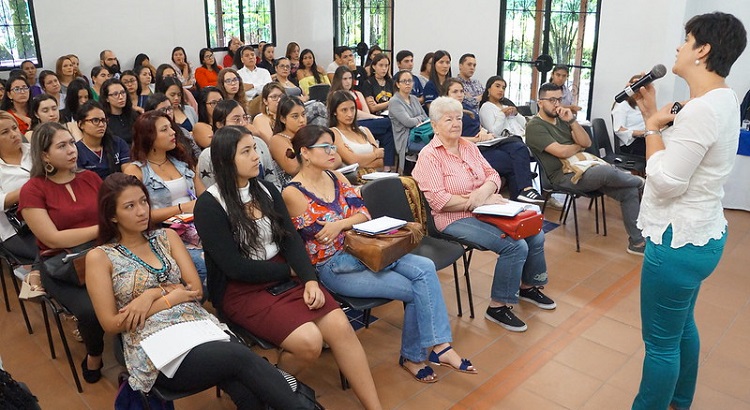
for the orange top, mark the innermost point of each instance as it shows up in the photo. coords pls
(205, 77)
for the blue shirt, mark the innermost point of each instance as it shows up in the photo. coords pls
(99, 162)
(430, 92)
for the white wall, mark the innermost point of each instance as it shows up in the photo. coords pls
(86, 27)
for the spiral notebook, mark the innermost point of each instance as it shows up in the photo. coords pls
(168, 347)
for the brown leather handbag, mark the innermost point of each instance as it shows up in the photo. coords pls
(378, 251)
(525, 224)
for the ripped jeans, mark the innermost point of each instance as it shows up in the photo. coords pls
(518, 262)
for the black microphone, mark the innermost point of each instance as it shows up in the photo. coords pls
(657, 72)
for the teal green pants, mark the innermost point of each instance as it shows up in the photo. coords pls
(670, 281)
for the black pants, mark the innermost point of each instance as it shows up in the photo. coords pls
(22, 247)
(251, 381)
(77, 300)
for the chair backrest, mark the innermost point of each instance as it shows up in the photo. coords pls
(386, 197)
(524, 110)
(601, 137)
(319, 92)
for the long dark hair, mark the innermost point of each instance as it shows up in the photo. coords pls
(433, 73)
(448, 83)
(335, 99)
(35, 103)
(7, 103)
(202, 53)
(285, 107)
(108, 141)
(166, 82)
(313, 67)
(71, 98)
(132, 73)
(338, 75)
(127, 111)
(109, 192)
(376, 60)
(221, 112)
(486, 94)
(144, 135)
(245, 229)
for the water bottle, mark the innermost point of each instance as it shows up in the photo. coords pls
(746, 125)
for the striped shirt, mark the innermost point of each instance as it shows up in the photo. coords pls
(441, 174)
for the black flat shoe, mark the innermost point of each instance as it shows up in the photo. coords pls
(91, 376)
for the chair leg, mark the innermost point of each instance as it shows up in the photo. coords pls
(458, 285)
(23, 306)
(366, 317)
(72, 365)
(45, 315)
(5, 289)
(604, 217)
(468, 284)
(591, 202)
(575, 222)
(596, 212)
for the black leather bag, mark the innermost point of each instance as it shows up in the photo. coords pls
(18, 225)
(67, 265)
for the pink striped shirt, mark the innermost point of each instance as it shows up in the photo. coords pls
(441, 174)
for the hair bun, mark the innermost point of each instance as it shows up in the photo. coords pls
(290, 153)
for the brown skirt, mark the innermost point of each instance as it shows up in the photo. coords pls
(272, 318)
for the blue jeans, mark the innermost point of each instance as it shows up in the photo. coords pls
(382, 130)
(670, 281)
(518, 262)
(411, 279)
(200, 265)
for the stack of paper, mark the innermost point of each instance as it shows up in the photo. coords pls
(379, 225)
(378, 175)
(348, 168)
(511, 208)
(168, 347)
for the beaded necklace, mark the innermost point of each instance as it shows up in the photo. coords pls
(162, 274)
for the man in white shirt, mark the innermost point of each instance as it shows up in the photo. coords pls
(342, 55)
(253, 78)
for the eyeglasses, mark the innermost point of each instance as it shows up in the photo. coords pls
(284, 66)
(131, 81)
(22, 90)
(233, 80)
(118, 94)
(238, 119)
(275, 97)
(212, 103)
(327, 148)
(406, 81)
(553, 100)
(166, 110)
(207, 56)
(96, 121)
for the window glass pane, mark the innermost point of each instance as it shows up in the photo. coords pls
(368, 21)
(257, 21)
(253, 22)
(17, 41)
(350, 23)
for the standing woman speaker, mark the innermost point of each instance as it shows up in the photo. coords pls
(681, 214)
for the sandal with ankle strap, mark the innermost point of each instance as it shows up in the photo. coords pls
(423, 375)
(434, 358)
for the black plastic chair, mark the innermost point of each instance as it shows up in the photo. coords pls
(319, 92)
(10, 261)
(386, 197)
(597, 197)
(619, 159)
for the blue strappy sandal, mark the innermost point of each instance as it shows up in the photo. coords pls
(434, 358)
(423, 373)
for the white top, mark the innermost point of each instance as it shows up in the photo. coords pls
(495, 121)
(357, 147)
(625, 116)
(178, 188)
(331, 69)
(12, 177)
(264, 223)
(685, 181)
(258, 78)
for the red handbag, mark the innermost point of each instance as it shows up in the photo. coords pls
(525, 224)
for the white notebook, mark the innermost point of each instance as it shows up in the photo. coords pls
(377, 175)
(512, 208)
(168, 347)
(379, 225)
(348, 168)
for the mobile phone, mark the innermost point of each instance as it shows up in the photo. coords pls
(281, 288)
(676, 107)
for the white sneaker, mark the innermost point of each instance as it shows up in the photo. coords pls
(554, 203)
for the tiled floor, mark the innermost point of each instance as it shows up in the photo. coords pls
(586, 354)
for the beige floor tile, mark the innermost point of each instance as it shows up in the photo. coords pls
(610, 398)
(524, 399)
(562, 385)
(616, 335)
(592, 358)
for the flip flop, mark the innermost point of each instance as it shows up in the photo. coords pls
(423, 373)
(434, 358)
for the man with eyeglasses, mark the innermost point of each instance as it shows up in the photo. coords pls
(554, 135)
(254, 78)
(108, 59)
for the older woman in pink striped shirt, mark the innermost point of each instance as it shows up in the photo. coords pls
(455, 179)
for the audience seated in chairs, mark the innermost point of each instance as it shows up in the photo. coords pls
(141, 280)
(323, 206)
(59, 205)
(252, 249)
(453, 192)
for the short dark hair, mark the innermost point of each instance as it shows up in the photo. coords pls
(546, 87)
(338, 51)
(465, 56)
(724, 33)
(403, 54)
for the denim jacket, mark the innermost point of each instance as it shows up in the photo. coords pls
(157, 190)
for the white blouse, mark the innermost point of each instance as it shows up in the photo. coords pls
(12, 177)
(685, 181)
